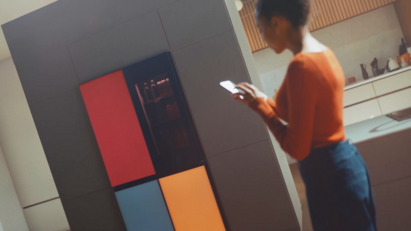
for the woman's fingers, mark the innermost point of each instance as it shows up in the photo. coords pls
(245, 85)
(240, 98)
(250, 93)
(245, 89)
(250, 88)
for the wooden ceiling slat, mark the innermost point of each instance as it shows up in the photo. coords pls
(324, 13)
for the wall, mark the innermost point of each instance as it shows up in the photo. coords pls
(11, 214)
(71, 42)
(403, 9)
(354, 41)
(25, 155)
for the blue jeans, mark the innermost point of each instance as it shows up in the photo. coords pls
(338, 188)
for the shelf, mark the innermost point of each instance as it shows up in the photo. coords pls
(175, 150)
(373, 79)
(165, 122)
(158, 99)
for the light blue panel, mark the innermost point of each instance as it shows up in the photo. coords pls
(144, 209)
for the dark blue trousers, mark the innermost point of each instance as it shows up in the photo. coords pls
(338, 188)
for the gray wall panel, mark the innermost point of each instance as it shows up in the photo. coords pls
(70, 145)
(118, 47)
(47, 75)
(67, 21)
(223, 124)
(248, 182)
(55, 25)
(97, 211)
(128, 9)
(190, 21)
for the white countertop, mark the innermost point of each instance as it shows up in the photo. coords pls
(376, 127)
(372, 79)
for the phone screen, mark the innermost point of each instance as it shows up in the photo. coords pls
(230, 86)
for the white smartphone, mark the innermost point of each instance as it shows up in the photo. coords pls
(230, 86)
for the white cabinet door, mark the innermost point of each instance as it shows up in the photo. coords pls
(396, 101)
(361, 112)
(393, 83)
(21, 143)
(358, 94)
(49, 216)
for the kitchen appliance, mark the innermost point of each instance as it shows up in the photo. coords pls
(403, 47)
(404, 63)
(364, 71)
(146, 136)
(400, 115)
(376, 71)
(406, 58)
(392, 65)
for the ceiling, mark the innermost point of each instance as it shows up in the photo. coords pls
(12, 9)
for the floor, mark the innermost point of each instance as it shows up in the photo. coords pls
(299, 184)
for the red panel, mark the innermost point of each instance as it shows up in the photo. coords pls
(117, 128)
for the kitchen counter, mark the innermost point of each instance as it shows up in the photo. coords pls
(375, 127)
(377, 96)
(372, 79)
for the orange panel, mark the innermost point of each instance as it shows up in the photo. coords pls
(191, 201)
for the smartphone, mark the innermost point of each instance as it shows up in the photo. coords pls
(230, 86)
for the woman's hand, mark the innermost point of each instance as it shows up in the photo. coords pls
(250, 93)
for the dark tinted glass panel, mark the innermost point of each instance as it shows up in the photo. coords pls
(164, 116)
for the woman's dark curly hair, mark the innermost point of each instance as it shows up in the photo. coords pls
(296, 11)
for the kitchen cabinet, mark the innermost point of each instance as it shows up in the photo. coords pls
(359, 94)
(361, 112)
(47, 216)
(377, 96)
(396, 101)
(394, 83)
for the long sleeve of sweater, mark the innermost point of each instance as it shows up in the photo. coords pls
(296, 138)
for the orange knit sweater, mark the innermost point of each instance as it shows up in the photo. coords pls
(310, 100)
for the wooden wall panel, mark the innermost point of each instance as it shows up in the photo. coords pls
(324, 13)
(403, 7)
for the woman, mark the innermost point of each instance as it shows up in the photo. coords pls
(310, 100)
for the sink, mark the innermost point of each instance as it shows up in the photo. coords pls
(400, 115)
